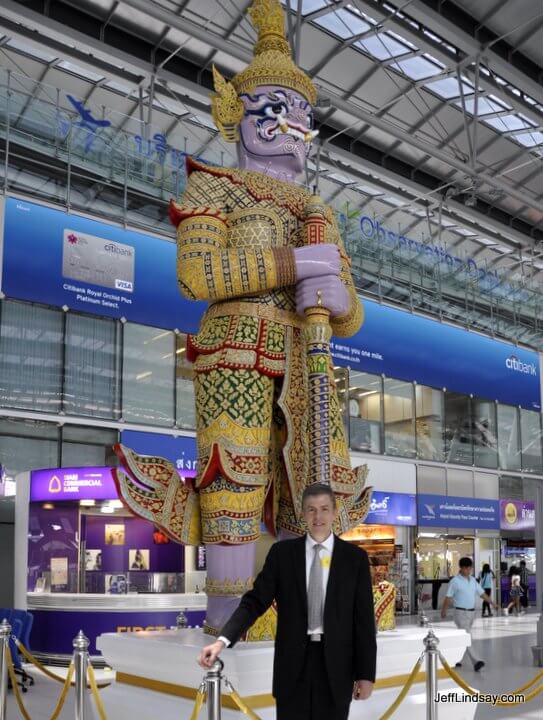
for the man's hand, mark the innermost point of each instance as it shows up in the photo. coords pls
(445, 607)
(362, 689)
(209, 654)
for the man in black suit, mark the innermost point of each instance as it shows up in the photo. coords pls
(325, 647)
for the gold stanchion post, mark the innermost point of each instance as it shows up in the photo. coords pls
(431, 643)
(81, 662)
(213, 690)
(5, 634)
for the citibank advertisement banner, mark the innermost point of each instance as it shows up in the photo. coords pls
(60, 259)
(401, 345)
(461, 512)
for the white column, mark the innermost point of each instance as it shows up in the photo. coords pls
(22, 500)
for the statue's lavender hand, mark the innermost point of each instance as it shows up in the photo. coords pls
(333, 294)
(317, 260)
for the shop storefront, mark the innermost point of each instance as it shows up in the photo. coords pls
(387, 537)
(86, 562)
(450, 528)
(517, 523)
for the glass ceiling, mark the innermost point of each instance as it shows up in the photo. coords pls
(117, 178)
(346, 23)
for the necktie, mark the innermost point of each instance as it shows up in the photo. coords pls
(315, 595)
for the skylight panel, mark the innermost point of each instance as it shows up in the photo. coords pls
(485, 105)
(120, 87)
(30, 50)
(401, 39)
(506, 123)
(464, 231)
(342, 23)
(502, 249)
(391, 200)
(80, 71)
(340, 178)
(418, 68)
(308, 6)
(361, 14)
(530, 139)
(485, 241)
(368, 190)
(382, 46)
(449, 88)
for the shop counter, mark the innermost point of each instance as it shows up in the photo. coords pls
(58, 617)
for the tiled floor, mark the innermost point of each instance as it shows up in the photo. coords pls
(504, 644)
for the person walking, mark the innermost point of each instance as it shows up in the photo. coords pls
(524, 585)
(463, 590)
(515, 591)
(485, 579)
(325, 646)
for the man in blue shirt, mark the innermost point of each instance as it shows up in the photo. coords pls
(463, 590)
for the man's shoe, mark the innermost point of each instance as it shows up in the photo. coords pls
(478, 665)
(458, 665)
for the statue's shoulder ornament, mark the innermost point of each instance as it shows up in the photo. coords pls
(262, 187)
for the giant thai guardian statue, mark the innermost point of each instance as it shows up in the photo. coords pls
(269, 259)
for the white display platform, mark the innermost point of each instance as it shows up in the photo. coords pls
(156, 669)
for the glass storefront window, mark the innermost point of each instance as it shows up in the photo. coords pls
(458, 435)
(91, 367)
(87, 446)
(429, 424)
(27, 445)
(530, 433)
(30, 356)
(185, 411)
(365, 414)
(484, 432)
(399, 415)
(508, 438)
(148, 375)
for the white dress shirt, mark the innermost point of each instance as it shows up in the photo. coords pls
(325, 554)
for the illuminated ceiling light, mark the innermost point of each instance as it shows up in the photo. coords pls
(87, 503)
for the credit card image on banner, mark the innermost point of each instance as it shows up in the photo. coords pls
(98, 261)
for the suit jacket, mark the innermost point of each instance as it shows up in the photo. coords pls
(350, 646)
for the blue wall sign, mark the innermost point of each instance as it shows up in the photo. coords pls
(410, 347)
(180, 450)
(62, 259)
(392, 509)
(461, 512)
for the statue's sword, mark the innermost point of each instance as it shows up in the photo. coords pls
(317, 333)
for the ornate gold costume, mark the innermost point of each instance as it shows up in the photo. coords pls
(236, 234)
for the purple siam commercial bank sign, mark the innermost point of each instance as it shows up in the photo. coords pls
(517, 515)
(84, 483)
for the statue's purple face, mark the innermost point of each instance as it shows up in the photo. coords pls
(276, 130)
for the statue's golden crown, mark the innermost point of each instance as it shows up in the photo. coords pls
(272, 65)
